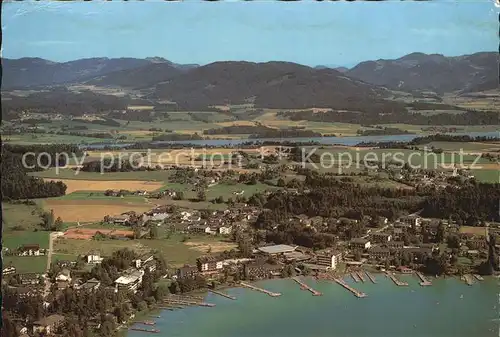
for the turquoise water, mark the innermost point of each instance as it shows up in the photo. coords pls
(388, 311)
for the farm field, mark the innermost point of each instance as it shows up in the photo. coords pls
(487, 176)
(144, 176)
(91, 210)
(20, 217)
(13, 240)
(97, 185)
(472, 230)
(26, 264)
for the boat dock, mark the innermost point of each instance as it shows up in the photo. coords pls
(478, 277)
(355, 277)
(188, 303)
(267, 292)
(371, 277)
(424, 282)
(304, 286)
(145, 330)
(361, 276)
(468, 279)
(396, 281)
(147, 322)
(222, 294)
(356, 293)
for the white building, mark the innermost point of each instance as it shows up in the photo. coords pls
(225, 230)
(329, 259)
(64, 276)
(94, 258)
(130, 281)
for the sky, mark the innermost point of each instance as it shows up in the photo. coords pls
(306, 32)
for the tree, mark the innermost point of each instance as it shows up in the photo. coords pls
(48, 220)
(137, 232)
(202, 196)
(153, 232)
(440, 233)
(280, 182)
(58, 224)
(160, 292)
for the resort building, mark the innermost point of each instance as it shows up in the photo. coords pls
(379, 252)
(187, 272)
(413, 220)
(209, 264)
(260, 270)
(381, 237)
(329, 260)
(394, 244)
(130, 281)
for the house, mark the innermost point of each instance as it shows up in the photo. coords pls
(143, 260)
(187, 272)
(394, 244)
(329, 259)
(379, 253)
(225, 230)
(30, 250)
(258, 270)
(405, 270)
(48, 325)
(413, 220)
(477, 243)
(64, 276)
(120, 219)
(26, 292)
(8, 270)
(29, 278)
(90, 285)
(130, 281)
(359, 243)
(200, 229)
(66, 263)
(209, 264)
(94, 258)
(381, 237)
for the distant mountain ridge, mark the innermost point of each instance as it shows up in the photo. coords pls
(32, 72)
(438, 73)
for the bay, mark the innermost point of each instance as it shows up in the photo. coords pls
(448, 308)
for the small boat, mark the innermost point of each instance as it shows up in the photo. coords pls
(461, 296)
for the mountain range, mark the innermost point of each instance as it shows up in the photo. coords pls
(239, 81)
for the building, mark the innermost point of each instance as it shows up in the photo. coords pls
(277, 249)
(64, 276)
(394, 244)
(90, 285)
(144, 259)
(477, 243)
(259, 270)
(209, 264)
(359, 243)
(26, 292)
(329, 259)
(8, 270)
(187, 272)
(93, 258)
(66, 263)
(381, 237)
(379, 253)
(225, 230)
(30, 250)
(200, 229)
(405, 270)
(413, 220)
(48, 325)
(130, 281)
(120, 219)
(29, 279)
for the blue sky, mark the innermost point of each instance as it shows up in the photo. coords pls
(307, 32)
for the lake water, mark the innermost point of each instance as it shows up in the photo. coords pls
(388, 311)
(322, 140)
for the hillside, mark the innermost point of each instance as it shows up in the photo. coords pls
(31, 72)
(438, 73)
(269, 85)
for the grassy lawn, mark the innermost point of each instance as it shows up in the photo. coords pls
(25, 217)
(13, 240)
(26, 264)
(63, 257)
(99, 195)
(226, 190)
(486, 176)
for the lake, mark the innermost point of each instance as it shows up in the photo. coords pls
(323, 140)
(388, 311)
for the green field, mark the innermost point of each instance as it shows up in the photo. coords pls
(99, 195)
(13, 240)
(162, 175)
(487, 176)
(20, 217)
(26, 264)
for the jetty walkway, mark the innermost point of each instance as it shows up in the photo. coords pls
(222, 294)
(371, 277)
(304, 286)
(355, 277)
(424, 282)
(188, 303)
(396, 281)
(267, 292)
(468, 279)
(478, 277)
(357, 293)
(360, 276)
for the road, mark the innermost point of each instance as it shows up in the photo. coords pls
(52, 236)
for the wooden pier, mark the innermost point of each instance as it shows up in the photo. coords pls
(396, 281)
(304, 286)
(355, 277)
(361, 276)
(371, 277)
(468, 279)
(424, 282)
(145, 330)
(479, 277)
(267, 292)
(356, 293)
(188, 303)
(147, 322)
(222, 294)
